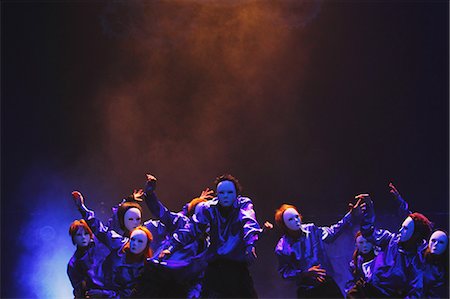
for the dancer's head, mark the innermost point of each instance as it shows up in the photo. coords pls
(80, 233)
(415, 228)
(288, 218)
(362, 245)
(438, 243)
(227, 189)
(129, 215)
(139, 242)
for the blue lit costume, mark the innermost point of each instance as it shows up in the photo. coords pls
(435, 277)
(178, 275)
(297, 254)
(84, 269)
(233, 232)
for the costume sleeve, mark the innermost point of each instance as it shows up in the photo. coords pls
(170, 219)
(286, 267)
(330, 233)
(250, 225)
(154, 205)
(403, 207)
(110, 238)
(190, 230)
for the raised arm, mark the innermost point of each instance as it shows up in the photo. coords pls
(251, 227)
(403, 207)
(330, 233)
(110, 238)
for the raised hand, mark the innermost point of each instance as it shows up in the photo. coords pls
(394, 190)
(138, 194)
(78, 198)
(267, 226)
(207, 194)
(150, 185)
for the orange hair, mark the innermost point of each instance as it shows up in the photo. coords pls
(279, 216)
(192, 204)
(76, 225)
(148, 253)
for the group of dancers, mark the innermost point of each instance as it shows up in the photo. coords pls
(205, 250)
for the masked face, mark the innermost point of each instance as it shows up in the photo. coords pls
(407, 229)
(438, 242)
(226, 193)
(138, 241)
(292, 219)
(362, 245)
(132, 218)
(81, 238)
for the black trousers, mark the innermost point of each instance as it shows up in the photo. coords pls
(327, 289)
(228, 279)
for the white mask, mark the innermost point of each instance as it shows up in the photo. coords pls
(292, 219)
(138, 241)
(81, 238)
(363, 245)
(438, 242)
(226, 193)
(407, 229)
(132, 218)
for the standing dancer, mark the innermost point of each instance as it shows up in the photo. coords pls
(233, 231)
(301, 252)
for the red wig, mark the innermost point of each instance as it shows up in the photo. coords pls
(76, 225)
(148, 253)
(279, 216)
(422, 227)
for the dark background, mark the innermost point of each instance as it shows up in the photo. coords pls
(306, 102)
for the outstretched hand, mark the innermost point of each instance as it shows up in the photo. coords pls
(207, 194)
(394, 190)
(78, 198)
(267, 226)
(138, 194)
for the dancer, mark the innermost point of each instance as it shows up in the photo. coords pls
(233, 231)
(301, 253)
(129, 216)
(398, 268)
(124, 265)
(83, 268)
(180, 273)
(436, 266)
(361, 265)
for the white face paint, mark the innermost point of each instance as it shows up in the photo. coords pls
(292, 219)
(226, 193)
(438, 242)
(362, 245)
(132, 218)
(138, 241)
(81, 238)
(407, 229)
